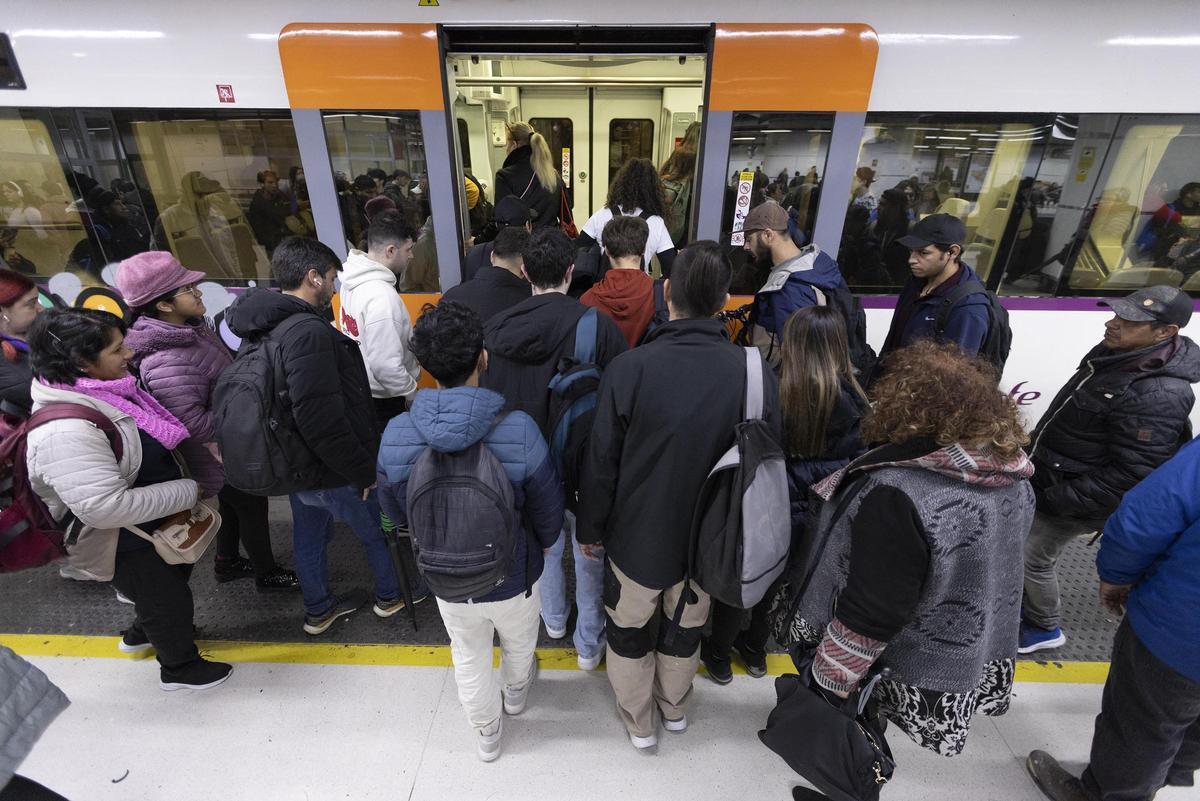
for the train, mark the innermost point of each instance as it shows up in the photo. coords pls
(1059, 135)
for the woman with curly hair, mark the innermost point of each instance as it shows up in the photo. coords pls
(636, 191)
(915, 562)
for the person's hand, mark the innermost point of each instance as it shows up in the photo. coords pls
(366, 492)
(1113, 597)
(593, 552)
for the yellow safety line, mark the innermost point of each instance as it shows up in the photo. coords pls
(317, 653)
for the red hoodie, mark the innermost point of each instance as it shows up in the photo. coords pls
(627, 296)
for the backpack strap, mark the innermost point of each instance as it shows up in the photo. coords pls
(755, 384)
(587, 337)
(77, 411)
(963, 290)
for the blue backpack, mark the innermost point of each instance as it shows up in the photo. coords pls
(572, 406)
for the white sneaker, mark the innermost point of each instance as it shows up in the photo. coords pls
(675, 726)
(68, 571)
(555, 634)
(591, 663)
(516, 698)
(489, 740)
(644, 745)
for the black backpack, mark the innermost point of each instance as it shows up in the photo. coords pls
(862, 355)
(262, 451)
(997, 343)
(483, 213)
(572, 409)
(662, 314)
(463, 518)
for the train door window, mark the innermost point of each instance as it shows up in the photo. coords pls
(42, 217)
(559, 133)
(383, 154)
(627, 140)
(773, 156)
(979, 168)
(464, 143)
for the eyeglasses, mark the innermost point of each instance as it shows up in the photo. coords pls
(193, 290)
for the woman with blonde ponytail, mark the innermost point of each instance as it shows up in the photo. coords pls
(529, 173)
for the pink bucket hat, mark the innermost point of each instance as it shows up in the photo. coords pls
(149, 275)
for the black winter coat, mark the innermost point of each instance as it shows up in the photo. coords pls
(327, 385)
(525, 343)
(15, 378)
(1118, 418)
(842, 444)
(491, 291)
(516, 178)
(666, 412)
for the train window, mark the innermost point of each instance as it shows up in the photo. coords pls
(628, 139)
(42, 217)
(464, 143)
(360, 146)
(977, 167)
(559, 133)
(772, 156)
(1131, 188)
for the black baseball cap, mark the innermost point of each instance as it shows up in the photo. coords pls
(511, 210)
(936, 229)
(1153, 304)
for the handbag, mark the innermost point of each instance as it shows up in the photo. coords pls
(838, 746)
(182, 538)
(565, 218)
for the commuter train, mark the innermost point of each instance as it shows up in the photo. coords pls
(1062, 137)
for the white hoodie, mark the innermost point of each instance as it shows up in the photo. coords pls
(374, 316)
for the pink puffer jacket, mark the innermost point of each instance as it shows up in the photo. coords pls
(180, 364)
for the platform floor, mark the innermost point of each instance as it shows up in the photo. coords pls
(39, 601)
(317, 732)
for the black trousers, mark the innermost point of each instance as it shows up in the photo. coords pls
(729, 621)
(387, 408)
(1148, 729)
(244, 521)
(162, 601)
(22, 789)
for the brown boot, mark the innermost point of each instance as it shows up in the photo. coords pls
(1053, 780)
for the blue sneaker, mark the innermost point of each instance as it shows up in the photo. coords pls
(1037, 639)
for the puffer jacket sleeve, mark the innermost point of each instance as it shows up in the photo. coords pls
(544, 501)
(1143, 432)
(398, 452)
(310, 364)
(182, 389)
(74, 459)
(29, 703)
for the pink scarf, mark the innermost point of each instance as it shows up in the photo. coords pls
(126, 395)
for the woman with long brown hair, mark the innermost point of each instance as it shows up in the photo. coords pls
(635, 191)
(530, 174)
(915, 561)
(821, 405)
(678, 174)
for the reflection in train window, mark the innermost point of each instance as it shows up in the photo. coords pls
(776, 156)
(628, 139)
(377, 154)
(980, 168)
(559, 133)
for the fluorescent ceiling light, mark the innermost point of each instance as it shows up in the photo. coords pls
(929, 38)
(744, 138)
(46, 33)
(1156, 41)
(777, 130)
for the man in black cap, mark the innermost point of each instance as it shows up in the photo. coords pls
(1123, 413)
(500, 285)
(510, 211)
(935, 259)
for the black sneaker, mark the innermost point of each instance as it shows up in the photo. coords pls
(198, 675)
(719, 670)
(343, 605)
(278, 579)
(232, 569)
(755, 661)
(134, 641)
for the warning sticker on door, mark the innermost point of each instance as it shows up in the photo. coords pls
(742, 207)
(566, 167)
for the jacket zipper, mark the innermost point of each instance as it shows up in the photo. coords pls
(1053, 417)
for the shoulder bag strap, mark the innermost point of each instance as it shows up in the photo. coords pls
(965, 289)
(755, 383)
(532, 178)
(586, 337)
(77, 411)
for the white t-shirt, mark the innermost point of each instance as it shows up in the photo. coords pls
(658, 240)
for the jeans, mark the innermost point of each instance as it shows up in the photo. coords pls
(471, 627)
(589, 589)
(313, 513)
(1148, 729)
(1047, 539)
(162, 605)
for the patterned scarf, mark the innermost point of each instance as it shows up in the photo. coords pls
(126, 395)
(968, 465)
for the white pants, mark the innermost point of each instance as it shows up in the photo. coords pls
(470, 626)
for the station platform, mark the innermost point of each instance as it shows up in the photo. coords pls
(41, 602)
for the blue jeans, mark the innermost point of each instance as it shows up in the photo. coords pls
(589, 587)
(313, 513)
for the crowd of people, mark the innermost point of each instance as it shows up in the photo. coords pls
(588, 418)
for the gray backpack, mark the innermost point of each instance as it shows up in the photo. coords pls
(742, 526)
(464, 520)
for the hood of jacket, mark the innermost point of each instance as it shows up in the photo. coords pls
(361, 268)
(811, 265)
(522, 155)
(451, 420)
(1180, 359)
(624, 293)
(532, 331)
(149, 335)
(259, 310)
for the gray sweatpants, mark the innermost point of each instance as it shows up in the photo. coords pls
(1047, 539)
